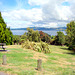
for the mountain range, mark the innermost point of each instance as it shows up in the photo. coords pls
(41, 28)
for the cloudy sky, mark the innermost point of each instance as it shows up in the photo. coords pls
(38, 13)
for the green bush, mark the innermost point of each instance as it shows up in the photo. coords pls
(28, 45)
(40, 47)
(72, 48)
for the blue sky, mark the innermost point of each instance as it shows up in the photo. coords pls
(66, 4)
(38, 13)
(18, 4)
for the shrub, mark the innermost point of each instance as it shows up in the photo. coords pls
(16, 39)
(59, 39)
(28, 45)
(40, 47)
(45, 37)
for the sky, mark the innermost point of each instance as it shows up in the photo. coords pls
(37, 13)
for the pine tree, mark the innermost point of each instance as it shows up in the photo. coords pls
(5, 33)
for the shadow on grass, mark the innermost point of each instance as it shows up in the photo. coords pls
(65, 48)
(70, 51)
(3, 50)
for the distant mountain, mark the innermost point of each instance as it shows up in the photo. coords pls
(41, 28)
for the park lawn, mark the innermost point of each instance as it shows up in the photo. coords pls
(24, 61)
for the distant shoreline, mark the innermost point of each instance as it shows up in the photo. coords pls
(50, 32)
(42, 28)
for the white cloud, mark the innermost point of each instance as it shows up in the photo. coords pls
(51, 14)
(24, 15)
(42, 2)
(64, 12)
(38, 2)
(32, 15)
(50, 25)
(19, 24)
(54, 10)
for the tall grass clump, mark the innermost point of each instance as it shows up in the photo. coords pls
(40, 47)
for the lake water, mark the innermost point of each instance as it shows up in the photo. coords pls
(50, 32)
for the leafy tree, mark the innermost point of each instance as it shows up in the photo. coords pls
(29, 34)
(45, 37)
(33, 35)
(5, 33)
(16, 39)
(24, 36)
(60, 38)
(70, 40)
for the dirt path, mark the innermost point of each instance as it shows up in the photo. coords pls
(2, 73)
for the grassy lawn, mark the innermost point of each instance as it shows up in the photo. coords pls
(24, 61)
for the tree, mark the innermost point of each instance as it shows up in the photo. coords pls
(1, 32)
(33, 35)
(5, 33)
(24, 37)
(45, 37)
(2, 22)
(60, 38)
(16, 39)
(71, 35)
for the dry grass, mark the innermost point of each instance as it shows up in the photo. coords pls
(38, 55)
(24, 61)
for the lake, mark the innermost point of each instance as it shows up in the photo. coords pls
(50, 32)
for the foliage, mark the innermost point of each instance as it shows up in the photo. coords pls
(45, 37)
(70, 40)
(16, 39)
(33, 35)
(52, 40)
(24, 36)
(60, 38)
(6, 35)
(28, 45)
(40, 47)
(36, 36)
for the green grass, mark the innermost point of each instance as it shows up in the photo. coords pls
(24, 61)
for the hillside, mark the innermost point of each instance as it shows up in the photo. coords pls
(24, 61)
(40, 28)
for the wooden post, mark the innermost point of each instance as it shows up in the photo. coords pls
(4, 60)
(39, 64)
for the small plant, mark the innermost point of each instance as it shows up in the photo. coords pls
(45, 47)
(40, 47)
(28, 45)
